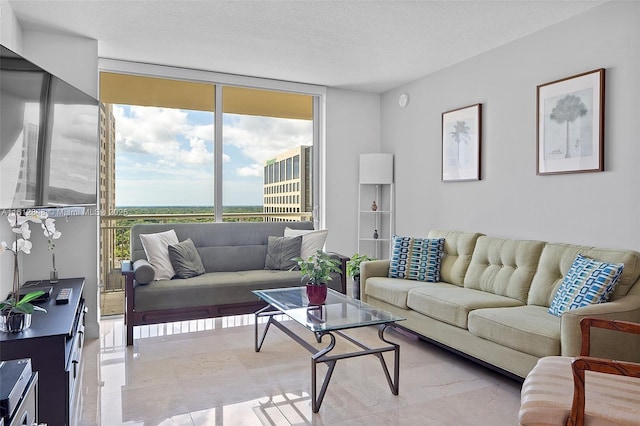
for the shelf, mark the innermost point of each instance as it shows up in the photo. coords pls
(381, 220)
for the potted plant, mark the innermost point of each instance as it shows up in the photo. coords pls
(316, 270)
(15, 312)
(353, 271)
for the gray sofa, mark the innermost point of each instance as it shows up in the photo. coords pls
(233, 255)
(492, 299)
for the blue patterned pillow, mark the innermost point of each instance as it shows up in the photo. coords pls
(588, 282)
(416, 258)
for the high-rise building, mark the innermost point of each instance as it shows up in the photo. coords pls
(109, 266)
(288, 185)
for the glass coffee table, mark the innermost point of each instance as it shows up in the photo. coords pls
(339, 313)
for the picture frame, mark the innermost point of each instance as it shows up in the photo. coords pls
(570, 124)
(461, 143)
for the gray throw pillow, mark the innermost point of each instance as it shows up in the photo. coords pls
(281, 251)
(185, 259)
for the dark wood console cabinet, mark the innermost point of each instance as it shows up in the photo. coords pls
(54, 343)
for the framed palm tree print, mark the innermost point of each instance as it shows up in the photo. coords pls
(461, 141)
(570, 124)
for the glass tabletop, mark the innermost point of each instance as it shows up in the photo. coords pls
(339, 311)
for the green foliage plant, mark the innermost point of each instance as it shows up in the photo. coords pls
(353, 264)
(317, 269)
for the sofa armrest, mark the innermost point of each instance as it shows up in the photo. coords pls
(369, 269)
(611, 345)
(343, 269)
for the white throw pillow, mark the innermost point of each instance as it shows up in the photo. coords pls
(312, 241)
(156, 247)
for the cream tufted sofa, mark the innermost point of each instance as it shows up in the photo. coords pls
(491, 303)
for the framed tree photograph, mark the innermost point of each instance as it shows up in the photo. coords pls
(570, 124)
(461, 141)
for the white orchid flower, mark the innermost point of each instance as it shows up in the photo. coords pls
(23, 230)
(16, 220)
(22, 245)
(49, 226)
(36, 216)
(4, 247)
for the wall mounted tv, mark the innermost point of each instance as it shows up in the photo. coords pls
(49, 138)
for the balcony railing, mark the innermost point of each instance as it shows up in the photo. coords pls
(115, 231)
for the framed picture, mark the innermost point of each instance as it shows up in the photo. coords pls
(570, 124)
(461, 136)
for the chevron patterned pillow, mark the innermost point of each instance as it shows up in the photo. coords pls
(587, 282)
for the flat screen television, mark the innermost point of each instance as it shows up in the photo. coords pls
(49, 138)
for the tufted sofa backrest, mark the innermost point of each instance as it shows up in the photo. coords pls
(223, 247)
(504, 267)
(557, 258)
(458, 248)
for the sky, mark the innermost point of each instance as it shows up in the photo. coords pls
(164, 157)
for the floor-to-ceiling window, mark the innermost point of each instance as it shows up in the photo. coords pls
(170, 155)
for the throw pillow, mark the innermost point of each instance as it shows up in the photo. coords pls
(185, 259)
(416, 258)
(587, 282)
(281, 251)
(156, 247)
(312, 241)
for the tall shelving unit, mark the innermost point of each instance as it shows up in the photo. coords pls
(376, 184)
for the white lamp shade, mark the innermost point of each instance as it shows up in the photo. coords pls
(376, 168)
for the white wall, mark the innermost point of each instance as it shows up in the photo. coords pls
(353, 127)
(75, 60)
(511, 200)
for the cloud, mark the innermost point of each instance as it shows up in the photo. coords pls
(263, 138)
(158, 131)
(252, 170)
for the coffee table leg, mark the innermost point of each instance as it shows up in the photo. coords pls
(261, 313)
(316, 400)
(395, 383)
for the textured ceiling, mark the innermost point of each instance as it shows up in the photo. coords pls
(361, 45)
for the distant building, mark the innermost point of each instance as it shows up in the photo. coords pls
(288, 185)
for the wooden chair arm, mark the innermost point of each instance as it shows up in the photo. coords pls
(616, 325)
(582, 364)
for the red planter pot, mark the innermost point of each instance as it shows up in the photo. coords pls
(317, 294)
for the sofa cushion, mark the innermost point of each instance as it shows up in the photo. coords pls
(503, 267)
(215, 288)
(395, 291)
(281, 252)
(458, 248)
(312, 241)
(453, 304)
(156, 248)
(588, 282)
(185, 259)
(416, 258)
(528, 329)
(557, 258)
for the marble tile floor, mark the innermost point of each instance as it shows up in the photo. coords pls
(206, 372)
